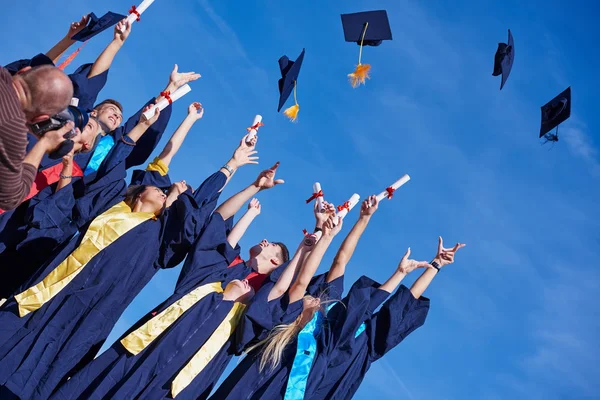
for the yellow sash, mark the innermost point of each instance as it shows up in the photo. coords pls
(159, 166)
(103, 231)
(206, 353)
(139, 339)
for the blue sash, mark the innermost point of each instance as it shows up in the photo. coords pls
(104, 145)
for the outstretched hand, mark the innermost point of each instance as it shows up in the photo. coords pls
(266, 179)
(321, 217)
(254, 207)
(178, 79)
(195, 111)
(244, 154)
(445, 256)
(332, 226)
(407, 265)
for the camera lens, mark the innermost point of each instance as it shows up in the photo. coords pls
(79, 117)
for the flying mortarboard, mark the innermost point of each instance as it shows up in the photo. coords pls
(504, 58)
(368, 28)
(97, 25)
(289, 77)
(555, 112)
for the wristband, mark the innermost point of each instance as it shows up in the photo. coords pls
(65, 176)
(436, 265)
(229, 169)
(317, 229)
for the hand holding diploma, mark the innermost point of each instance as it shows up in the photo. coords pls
(318, 195)
(253, 129)
(167, 98)
(389, 191)
(135, 13)
(345, 208)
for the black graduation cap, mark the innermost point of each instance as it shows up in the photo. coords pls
(556, 111)
(377, 30)
(503, 61)
(289, 75)
(97, 25)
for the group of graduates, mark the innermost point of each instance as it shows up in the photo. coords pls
(85, 242)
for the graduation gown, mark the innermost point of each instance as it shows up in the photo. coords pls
(246, 381)
(380, 332)
(39, 349)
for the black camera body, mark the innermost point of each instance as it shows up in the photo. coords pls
(71, 113)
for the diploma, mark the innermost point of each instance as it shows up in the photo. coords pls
(252, 130)
(317, 194)
(347, 206)
(389, 191)
(168, 98)
(136, 12)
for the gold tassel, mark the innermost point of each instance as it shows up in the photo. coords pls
(292, 112)
(362, 70)
(65, 63)
(359, 75)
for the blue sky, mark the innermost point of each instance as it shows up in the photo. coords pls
(515, 317)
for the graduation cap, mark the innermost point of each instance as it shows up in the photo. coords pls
(97, 25)
(289, 76)
(368, 28)
(555, 112)
(503, 60)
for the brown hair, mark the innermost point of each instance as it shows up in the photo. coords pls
(133, 193)
(285, 253)
(109, 101)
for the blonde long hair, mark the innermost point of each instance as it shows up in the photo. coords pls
(273, 346)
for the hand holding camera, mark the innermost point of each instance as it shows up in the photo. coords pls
(57, 131)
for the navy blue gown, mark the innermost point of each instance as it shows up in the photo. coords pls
(40, 349)
(399, 316)
(247, 381)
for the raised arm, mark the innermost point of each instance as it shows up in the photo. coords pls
(404, 268)
(298, 288)
(285, 280)
(66, 175)
(344, 254)
(195, 112)
(56, 52)
(178, 79)
(104, 61)
(266, 180)
(142, 126)
(239, 229)
(443, 257)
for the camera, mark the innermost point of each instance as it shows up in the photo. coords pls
(71, 113)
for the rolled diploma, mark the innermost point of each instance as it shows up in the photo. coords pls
(164, 103)
(352, 202)
(395, 186)
(317, 189)
(140, 9)
(252, 133)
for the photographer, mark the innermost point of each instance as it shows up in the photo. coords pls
(28, 98)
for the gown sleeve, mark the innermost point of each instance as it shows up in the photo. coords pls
(399, 316)
(186, 218)
(87, 89)
(156, 174)
(39, 59)
(148, 142)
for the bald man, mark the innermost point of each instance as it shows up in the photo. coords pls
(29, 97)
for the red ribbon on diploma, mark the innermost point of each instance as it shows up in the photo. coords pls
(305, 232)
(255, 127)
(133, 10)
(345, 206)
(390, 191)
(167, 95)
(314, 196)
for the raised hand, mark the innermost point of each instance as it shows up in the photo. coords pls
(407, 265)
(195, 111)
(177, 188)
(153, 119)
(67, 160)
(254, 207)
(321, 217)
(243, 155)
(122, 30)
(266, 179)
(77, 27)
(178, 79)
(332, 226)
(445, 256)
(369, 206)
